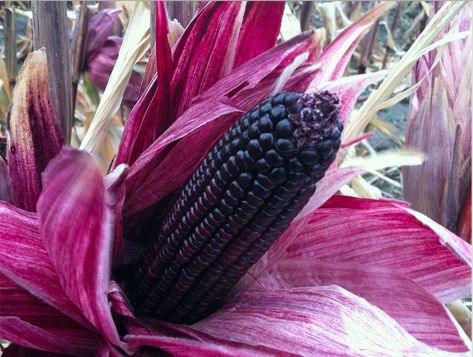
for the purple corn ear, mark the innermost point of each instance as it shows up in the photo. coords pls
(239, 201)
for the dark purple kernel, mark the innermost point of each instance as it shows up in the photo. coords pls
(244, 180)
(265, 124)
(337, 144)
(254, 149)
(278, 112)
(234, 146)
(324, 144)
(273, 158)
(265, 108)
(254, 200)
(248, 207)
(233, 167)
(260, 190)
(225, 207)
(329, 155)
(236, 189)
(291, 98)
(226, 175)
(309, 157)
(266, 140)
(240, 160)
(254, 131)
(285, 146)
(279, 99)
(278, 175)
(254, 115)
(265, 181)
(262, 166)
(230, 199)
(284, 129)
(295, 165)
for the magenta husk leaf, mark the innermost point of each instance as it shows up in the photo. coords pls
(79, 248)
(260, 29)
(25, 261)
(114, 183)
(34, 136)
(412, 307)
(13, 329)
(19, 307)
(323, 320)
(386, 234)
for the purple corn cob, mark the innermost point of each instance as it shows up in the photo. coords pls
(243, 196)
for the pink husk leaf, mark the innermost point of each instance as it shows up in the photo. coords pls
(75, 220)
(13, 329)
(387, 235)
(313, 321)
(18, 303)
(114, 183)
(412, 307)
(203, 57)
(193, 73)
(34, 136)
(260, 29)
(25, 261)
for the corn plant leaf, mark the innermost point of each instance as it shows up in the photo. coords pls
(324, 320)
(388, 158)
(79, 248)
(26, 262)
(17, 302)
(387, 235)
(34, 135)
(260, 29)
(134, 46)
(414, 308)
